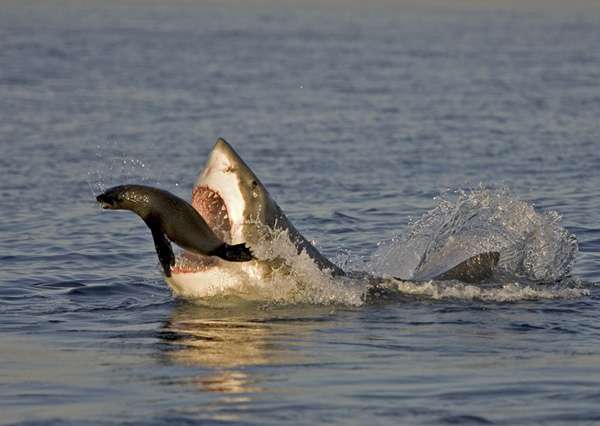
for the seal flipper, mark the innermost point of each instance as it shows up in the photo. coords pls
(163, 249)
(233, 253)
(473, 270)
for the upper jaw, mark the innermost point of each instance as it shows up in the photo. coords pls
(222, 178)
(213, 208)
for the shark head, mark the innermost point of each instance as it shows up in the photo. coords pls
(231, 198)
(239, 209)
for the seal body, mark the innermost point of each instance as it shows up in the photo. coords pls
(171, 218)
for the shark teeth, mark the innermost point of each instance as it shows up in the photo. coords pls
(186, 262)
(213, 210)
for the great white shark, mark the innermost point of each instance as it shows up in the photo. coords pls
(238, 208)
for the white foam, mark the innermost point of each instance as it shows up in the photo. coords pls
(297, 279)
(531, 244)
(510, 292)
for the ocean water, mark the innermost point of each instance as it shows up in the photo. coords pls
(387, 132)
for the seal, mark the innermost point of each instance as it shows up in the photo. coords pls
(171, 219)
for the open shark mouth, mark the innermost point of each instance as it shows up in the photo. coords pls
(214, 211)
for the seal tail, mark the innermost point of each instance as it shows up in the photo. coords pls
(234, 253)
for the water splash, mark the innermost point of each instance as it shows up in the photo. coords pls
(533, 246)
(113, 166)
(296, 278)
(536, 257)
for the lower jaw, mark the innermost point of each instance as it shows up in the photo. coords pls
(238, 279)
(207, 283)
(189, 263)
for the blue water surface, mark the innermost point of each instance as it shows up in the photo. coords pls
(355, 116)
